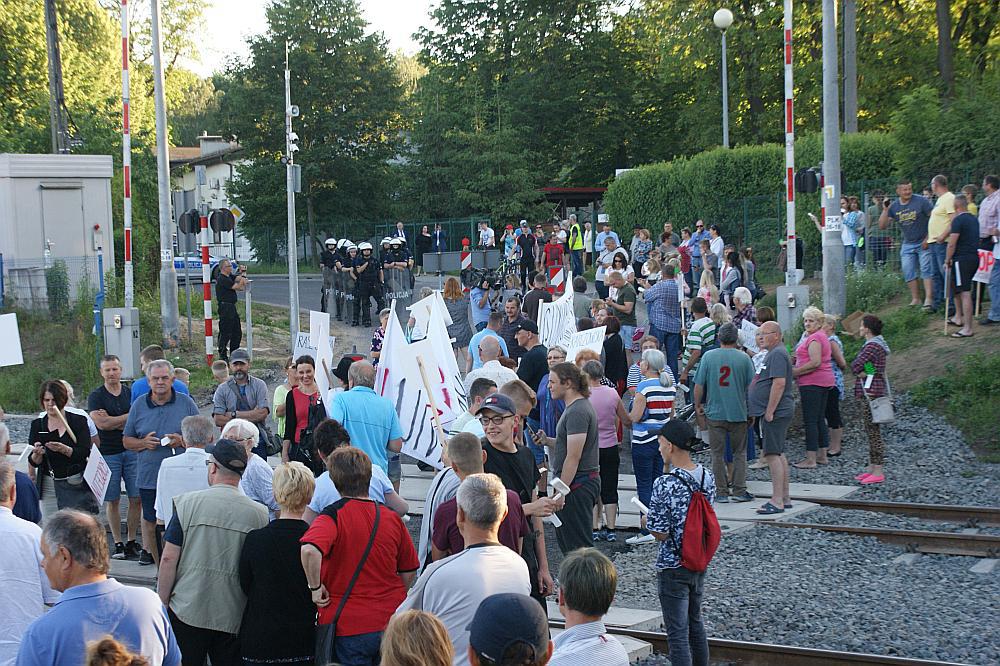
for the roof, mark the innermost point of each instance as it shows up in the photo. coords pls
(191, 155)
(574, 190)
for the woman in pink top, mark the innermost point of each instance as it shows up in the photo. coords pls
(609, 408)
(815, 378)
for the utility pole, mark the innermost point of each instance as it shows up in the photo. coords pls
(850, 66)
(791, 273)
(169, 310)
(834, 279)
(127, 161)
(57, 101)
(290, 168)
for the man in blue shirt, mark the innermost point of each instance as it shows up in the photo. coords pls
(664, 308)
(140, 386)
(92, 606)
(696, 238)
(369, 419)
(480, 299)
(604, 233)
(492, 329)
(153, 429)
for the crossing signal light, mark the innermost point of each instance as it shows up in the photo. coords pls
(189, 222)
(222, 219)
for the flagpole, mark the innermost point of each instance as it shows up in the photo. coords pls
(430, 397)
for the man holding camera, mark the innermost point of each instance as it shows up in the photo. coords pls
(480, 297)
(226, 286)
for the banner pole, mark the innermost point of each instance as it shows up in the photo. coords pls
(430, 398)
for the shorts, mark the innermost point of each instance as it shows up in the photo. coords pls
(124, 467)
(627, 333)
(916, 262)
(965, 268)
(775, 433)
(148, 497)
(395, 472)
(536, 450)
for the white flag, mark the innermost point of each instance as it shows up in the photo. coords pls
(556, 321)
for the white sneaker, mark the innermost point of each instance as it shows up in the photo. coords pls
(640, 539)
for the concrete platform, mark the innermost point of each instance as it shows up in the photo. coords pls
(637, 650)
(625, 618)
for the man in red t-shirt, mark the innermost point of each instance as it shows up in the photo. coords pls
(467, 456)
(334, 546)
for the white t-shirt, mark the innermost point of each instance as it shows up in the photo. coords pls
(491, 370)
(178, 475)
(717, 245)
(486, 237)
(454, 587)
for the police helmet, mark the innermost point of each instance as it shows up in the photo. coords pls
(342, 243)
(351, 246)
(386, 240)
(396, 241)
(330, 241)
(365, 246)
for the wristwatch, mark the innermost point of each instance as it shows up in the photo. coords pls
(314, 589)
(234, 413)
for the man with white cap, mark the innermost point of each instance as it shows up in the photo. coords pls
(328, 263)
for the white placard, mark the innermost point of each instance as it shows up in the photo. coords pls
(557, 321)
(833, 223)
(303, 347)
(592, 339)
(987, 263)
(97, 474)
(319, 324)
(10, 341)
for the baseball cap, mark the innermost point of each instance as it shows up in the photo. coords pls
(524, 223)
(229, 454)
(679, 433)
(239, 355)
(501, 404)
(503, 620)
(509, 226)
(527, 325)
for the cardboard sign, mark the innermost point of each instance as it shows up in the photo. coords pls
(10, 341)
(592, 339)
(986, 263)
(304, 347)
(97, 474)
(319, 323)
(556, 321)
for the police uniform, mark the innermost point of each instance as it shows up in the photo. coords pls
(328, 260)
(369, 285)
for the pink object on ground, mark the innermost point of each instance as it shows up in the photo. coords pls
(871, 478)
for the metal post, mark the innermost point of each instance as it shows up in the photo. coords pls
(834, 282)
(127, 161)
(293, 259)
(247, 299)
(57, 117)
(725, 95)
(850, 67)
(169, 313)
(206, 281)
(99, 306)
(791, 273)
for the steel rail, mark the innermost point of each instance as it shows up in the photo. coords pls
(973, 516)
(942, 543)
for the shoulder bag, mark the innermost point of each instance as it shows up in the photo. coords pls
(326, 634)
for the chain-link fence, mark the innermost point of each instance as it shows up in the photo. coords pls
(51, 283)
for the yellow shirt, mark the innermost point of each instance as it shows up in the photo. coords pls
(973, 208)
(940, 221)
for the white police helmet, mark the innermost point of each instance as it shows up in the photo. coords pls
(364, 246)
(330, 241)
(342, 243)
(396, 241)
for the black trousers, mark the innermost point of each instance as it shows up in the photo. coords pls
(230, 333)
(197, 643)
(577, 517)
(362, 302)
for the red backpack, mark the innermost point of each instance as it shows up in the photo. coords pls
(701, 529)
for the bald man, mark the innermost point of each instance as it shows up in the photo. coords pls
(770, 400)
(489, 352)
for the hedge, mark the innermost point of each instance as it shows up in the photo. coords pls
(740, 189)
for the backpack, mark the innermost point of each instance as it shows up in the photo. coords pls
(701, 529)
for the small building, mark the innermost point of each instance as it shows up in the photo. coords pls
(54, 207)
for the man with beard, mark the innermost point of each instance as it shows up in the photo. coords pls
(243, 397)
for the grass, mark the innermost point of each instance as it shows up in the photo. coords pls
(968, 397)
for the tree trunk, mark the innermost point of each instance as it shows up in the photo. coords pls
(946, 55)
(850, 67)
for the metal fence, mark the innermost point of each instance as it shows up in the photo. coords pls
(51, 282)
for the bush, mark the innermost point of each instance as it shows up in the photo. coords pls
(868, 290)
(973, 408)
(57, 289)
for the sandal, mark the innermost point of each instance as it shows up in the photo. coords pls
(769, 509)
(788, 506)
(959, 334)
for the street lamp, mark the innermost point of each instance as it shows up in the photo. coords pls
(723, 19)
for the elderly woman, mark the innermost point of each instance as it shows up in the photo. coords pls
(653, 406)
(743, 304)
(603, 263)
(871, 382)
(60, 440)
(256, 482)
(814, 375)
(279, 618)
(610, 412)
(549, 408)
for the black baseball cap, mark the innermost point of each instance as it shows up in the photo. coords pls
(340, 372)
(499, 403)
(229, 454)
(527, 325)
(503, 620)
(679, 433)
(239, 355)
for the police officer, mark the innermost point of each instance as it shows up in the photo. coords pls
(328, 262)
(348, 283)
(368, 273)
(385, 251)
(226, 286)
(340, 265)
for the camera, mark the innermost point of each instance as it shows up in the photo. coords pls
(478, 277)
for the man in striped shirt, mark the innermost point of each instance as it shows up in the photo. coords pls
(700, 338)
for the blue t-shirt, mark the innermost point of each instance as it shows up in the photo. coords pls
(912, 217)
(26, 505)
(326, 493)
(371, 421)
(474, 346)
(146, 417)
(140, 387)
(479, 314)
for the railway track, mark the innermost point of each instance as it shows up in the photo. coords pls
(971, 516)
(916, 541)
(765, 654)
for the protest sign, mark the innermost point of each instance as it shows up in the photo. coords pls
(556, 321)
(592, 339)
(10, 341)
(748, 336)
(319, 322)
(97, 474)
(985, 267)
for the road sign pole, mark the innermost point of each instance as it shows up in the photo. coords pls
(206, 281)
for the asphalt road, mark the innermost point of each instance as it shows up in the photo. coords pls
(273, 289)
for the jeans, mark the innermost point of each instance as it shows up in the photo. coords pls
(670, 343)
(647, 465)
(602, 289)
(737, 431)
(994, 313)
(813, 413)
(938, 252)
(359, 650)
(576, 257)
(577, 516)
(916, 262)
(680, 593)
(850, 251)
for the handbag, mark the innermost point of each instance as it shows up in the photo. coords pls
(326, 634)
(882, 410)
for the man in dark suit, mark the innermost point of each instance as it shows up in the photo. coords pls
(440, 239)
(400, 233)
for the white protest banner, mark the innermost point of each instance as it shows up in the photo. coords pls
(319, 322)
(592, 339)
(451, 399)
(10, 341)
(421, 313)
(748, 336)
(556, 321)
(986, 263)
(97, 474)
(398, 380)
(304, 347)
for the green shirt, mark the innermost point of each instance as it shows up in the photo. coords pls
(626, 295)
(702, 333)
(725, 375)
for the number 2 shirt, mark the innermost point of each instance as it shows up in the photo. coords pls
(725, 375)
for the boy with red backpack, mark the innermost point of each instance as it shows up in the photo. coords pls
(681, 518)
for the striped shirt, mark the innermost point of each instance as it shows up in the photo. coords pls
(702, 333)
(659, 407)
(588, 644)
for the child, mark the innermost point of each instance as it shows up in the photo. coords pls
(707, 288)
(183, 375)
(220, 371)
(668, 508)
(553, 252)
(378, 337)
